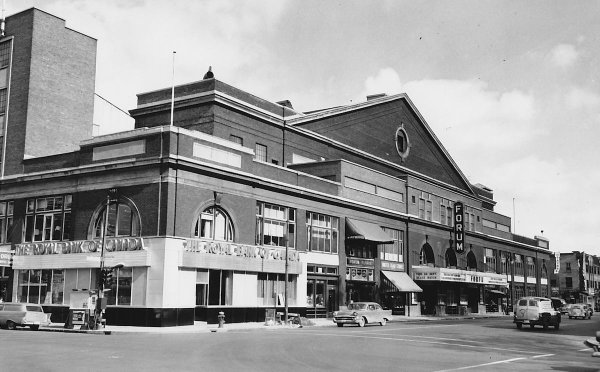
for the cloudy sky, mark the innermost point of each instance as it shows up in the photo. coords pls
(511, 88)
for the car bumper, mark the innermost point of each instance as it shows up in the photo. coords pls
(346, 320)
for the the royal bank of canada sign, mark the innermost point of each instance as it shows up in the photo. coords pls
(459, 222)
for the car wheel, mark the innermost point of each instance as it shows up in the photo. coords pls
(531, 325)
(11, 325)
(557, 326)
(519, 325)
(34, 327)
(545, 325)
(570, 317)
(340, 324)
(361, 322)
(383, 321)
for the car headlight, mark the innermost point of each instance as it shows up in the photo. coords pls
(335, 313)
(354, 313)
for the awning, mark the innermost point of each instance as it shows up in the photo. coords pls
(497, 292)
(361, 230)
(402, 281)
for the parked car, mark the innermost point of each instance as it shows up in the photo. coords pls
(536, 311)
(558, 304)
(22, 315)
(579, 311)
(362, 313)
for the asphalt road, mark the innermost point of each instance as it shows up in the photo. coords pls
(473, 344)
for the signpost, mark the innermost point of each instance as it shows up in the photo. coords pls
(459, 235)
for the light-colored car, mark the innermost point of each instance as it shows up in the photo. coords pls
(579, 311)
(362, 313)
(536, 311)
(13, 315)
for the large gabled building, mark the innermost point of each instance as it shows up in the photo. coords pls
(363, 201)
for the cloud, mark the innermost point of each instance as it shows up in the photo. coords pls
(564, 55)
(578, 98)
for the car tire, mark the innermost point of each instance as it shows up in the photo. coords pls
(557, 326)
(545, 325)
(519, 325)
(34, 327)
(361, 322)
(340, 324)
(383, 321)
(532, 326)
(11, 325)
(570, 317)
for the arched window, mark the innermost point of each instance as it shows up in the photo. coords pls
(214, 223)
(450, 257)
(123, 219)
(471, 261)
(426, 256)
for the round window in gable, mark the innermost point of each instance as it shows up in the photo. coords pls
(402, 142)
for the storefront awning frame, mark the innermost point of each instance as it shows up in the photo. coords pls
(361, 230)
(402, 281)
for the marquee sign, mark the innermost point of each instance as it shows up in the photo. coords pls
(460, 276)
(239, 250)
(556, 262)
(79, 246)
(459, 220)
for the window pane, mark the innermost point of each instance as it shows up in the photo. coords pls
(124, 220)
(58, 286)
(57, 227)
(111, 228)
(124, 280)
(45, 295)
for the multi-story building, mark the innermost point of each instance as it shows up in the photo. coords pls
(244, 205)
(577, 278)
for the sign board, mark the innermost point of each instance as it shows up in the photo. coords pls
(5, 258)
(556, 262)
(361, 274)
(456, 275)
(78, 317)
(459, 221)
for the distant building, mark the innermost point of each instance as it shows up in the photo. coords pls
(353, 203)
(578, 278)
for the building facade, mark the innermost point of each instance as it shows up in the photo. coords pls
(244, 205)
(576, 278)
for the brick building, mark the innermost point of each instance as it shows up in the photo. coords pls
(577, 278)
(214, 212)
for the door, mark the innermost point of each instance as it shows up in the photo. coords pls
(331, 300)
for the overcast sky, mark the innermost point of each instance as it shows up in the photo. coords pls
(511, 88)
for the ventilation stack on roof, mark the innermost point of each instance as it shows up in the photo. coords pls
(375, 96)
(209, 74)
(285, 103)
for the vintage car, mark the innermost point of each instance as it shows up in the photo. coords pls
(22, 315)
(536, 311)
(579, 311)
(362, 313)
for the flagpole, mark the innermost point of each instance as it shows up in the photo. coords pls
(173, 89)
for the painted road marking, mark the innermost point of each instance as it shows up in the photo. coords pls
(542, 356)
(482, 365)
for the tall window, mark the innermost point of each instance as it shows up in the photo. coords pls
(519, 265)
(48, 219)
(260, 152)
(450, 258)
(120, 287)
(471, 261)
(275, 225)
(270, 285)
(490, 260)
(123, 220)
(426, 256)
(422, 208)
(322, 232)
(428, 210)
(569, 282)
(214, 223)
(4, 64)
(41, 286)
(531, 267)
(568, 267)
(220, 286)
(544, 270)
(6, 221)
(505, 260)
(393, 251)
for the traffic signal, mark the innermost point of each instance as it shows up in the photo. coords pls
(105, 278)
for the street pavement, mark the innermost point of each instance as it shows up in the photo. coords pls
(203, 327)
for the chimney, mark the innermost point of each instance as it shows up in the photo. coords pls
(375, 96)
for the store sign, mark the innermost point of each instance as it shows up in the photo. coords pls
(361, 262)
(239, 250)
(5, 258)
(361, 274)
(458, 276)
(79, 246)
(459, 220)
(392, 266)
(556, 262)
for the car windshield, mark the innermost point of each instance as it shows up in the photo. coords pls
(357, 306)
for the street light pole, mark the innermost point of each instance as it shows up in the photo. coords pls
(285, 288)
(101, 273)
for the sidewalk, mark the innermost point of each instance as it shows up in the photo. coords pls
(203, 327)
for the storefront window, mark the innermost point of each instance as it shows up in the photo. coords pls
(120, 287)
(270, 286)
(393, 251)
(6, 220)
(214, 223)
(426, 257)
(201, 287)
(322, 232)
(123, 220)
(41, 286)
(48, 219)
(490, 260)
(275, 225)
(220, 287)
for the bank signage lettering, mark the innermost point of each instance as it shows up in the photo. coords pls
(239, 250)
(459, 220)
(79, 246)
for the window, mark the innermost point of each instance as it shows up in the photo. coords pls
(568, 267)
(214, 223)
(275, 225)
(450, 258)
(270, 285)
(236, 139)
(41, 286)
(519, 265)
(426, 257)
(48, 219)
(428, 210)
(6, 220)
(322, 232)
(393, 251)
(260, 152)
(123, 220)
(544, 270)
(220, 286)
(530, 267)
(120, 287)
(505, 258)
(422, 208)
(490, 260)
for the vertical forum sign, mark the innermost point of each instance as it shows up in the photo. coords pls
(459, 222)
